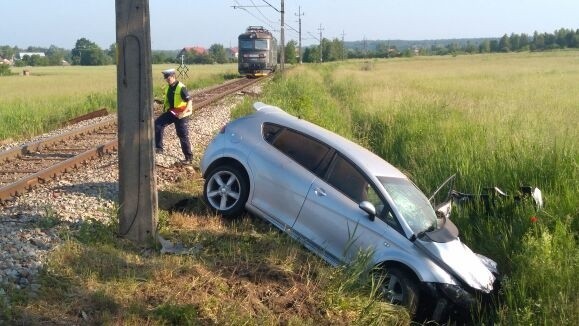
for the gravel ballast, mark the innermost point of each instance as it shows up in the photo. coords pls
(30, 224)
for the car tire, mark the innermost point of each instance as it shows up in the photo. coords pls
(399, 288)
(226, 190)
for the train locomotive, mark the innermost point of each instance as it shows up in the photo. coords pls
(257, 52)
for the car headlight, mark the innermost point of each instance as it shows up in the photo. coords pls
(489, 263)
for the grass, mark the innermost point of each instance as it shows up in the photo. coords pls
(495, 120)
(237, 272)
(49, 96)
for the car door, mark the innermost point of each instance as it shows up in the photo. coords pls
(331, 222)
(283, 173)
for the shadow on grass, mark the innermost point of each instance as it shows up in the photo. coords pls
(95, 277)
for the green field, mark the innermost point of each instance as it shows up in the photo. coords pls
(42, 101)
(494, 120)
(501, 120)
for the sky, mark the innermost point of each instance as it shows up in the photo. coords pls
(176, 24)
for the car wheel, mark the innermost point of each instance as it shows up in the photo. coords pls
(400, 289)
(226, 190)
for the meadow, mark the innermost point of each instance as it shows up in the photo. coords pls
(503, 120)
(493, 120)
(49, 96)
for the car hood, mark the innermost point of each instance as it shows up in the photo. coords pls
(461, 262)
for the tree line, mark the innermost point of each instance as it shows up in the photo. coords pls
(332, 50)
(88, 53)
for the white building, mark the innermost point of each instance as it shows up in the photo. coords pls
(21, 55)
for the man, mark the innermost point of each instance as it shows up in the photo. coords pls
(176, 109)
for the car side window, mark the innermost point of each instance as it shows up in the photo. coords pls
(305, 150)
(347, 179)
(383, 211)
(269, 131)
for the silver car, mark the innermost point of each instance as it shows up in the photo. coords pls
(338, 199)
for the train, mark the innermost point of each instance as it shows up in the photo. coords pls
(257, 52)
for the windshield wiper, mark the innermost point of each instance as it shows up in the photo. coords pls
(422, 233)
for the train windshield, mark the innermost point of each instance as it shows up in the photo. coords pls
(253, 44)
(261, 44)
(246, 44)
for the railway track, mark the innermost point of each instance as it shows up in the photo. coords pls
(26, 167)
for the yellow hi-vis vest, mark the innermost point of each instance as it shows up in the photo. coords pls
(177, 100)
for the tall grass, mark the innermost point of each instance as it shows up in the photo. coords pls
(495, 120)
(49, 96)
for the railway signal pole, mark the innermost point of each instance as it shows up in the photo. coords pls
(137, 186)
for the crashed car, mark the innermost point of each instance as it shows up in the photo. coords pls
(339, 199)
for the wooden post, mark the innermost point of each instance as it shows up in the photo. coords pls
(137, 186)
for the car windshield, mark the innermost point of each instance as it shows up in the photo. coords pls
(410, 203)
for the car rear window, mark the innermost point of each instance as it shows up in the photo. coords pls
(301, 148)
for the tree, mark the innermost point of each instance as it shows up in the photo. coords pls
(217, 53)
(524, 42)
(7, 52)
(453, 47)
(291, 52)
(470, 47)
(337, 49)
(485, 46)
(5, 70)
(311, 54)
(36, 60)
(515, 41)
(55, 55)
(112, 53)
(495, 46)
(87, 53)
(327, 54)
(164, 56)
(538, 42)
(505, 44)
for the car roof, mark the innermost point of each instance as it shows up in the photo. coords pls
(371, 163)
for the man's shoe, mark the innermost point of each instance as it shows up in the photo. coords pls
(187, 161)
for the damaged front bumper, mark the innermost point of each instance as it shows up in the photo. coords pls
(451, 300)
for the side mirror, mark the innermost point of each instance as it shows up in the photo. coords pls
(369, 208)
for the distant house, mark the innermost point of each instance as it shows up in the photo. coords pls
(197, 50)
(232, 53)
(21, 55)
(4, 61)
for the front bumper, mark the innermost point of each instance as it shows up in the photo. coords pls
(452, 300)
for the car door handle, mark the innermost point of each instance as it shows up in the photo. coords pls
(319, 192)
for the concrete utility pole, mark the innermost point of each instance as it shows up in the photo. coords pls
(300, 14)
(365, 47)
(137, 187)
(321, 44)
(343, 47)
(282, 57)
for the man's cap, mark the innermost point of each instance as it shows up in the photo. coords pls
(168, 72)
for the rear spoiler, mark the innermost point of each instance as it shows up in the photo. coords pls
(262, 107)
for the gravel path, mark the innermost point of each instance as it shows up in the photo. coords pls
(30, 224)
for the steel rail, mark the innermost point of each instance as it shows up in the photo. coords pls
(32, 180)
(29, 182)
